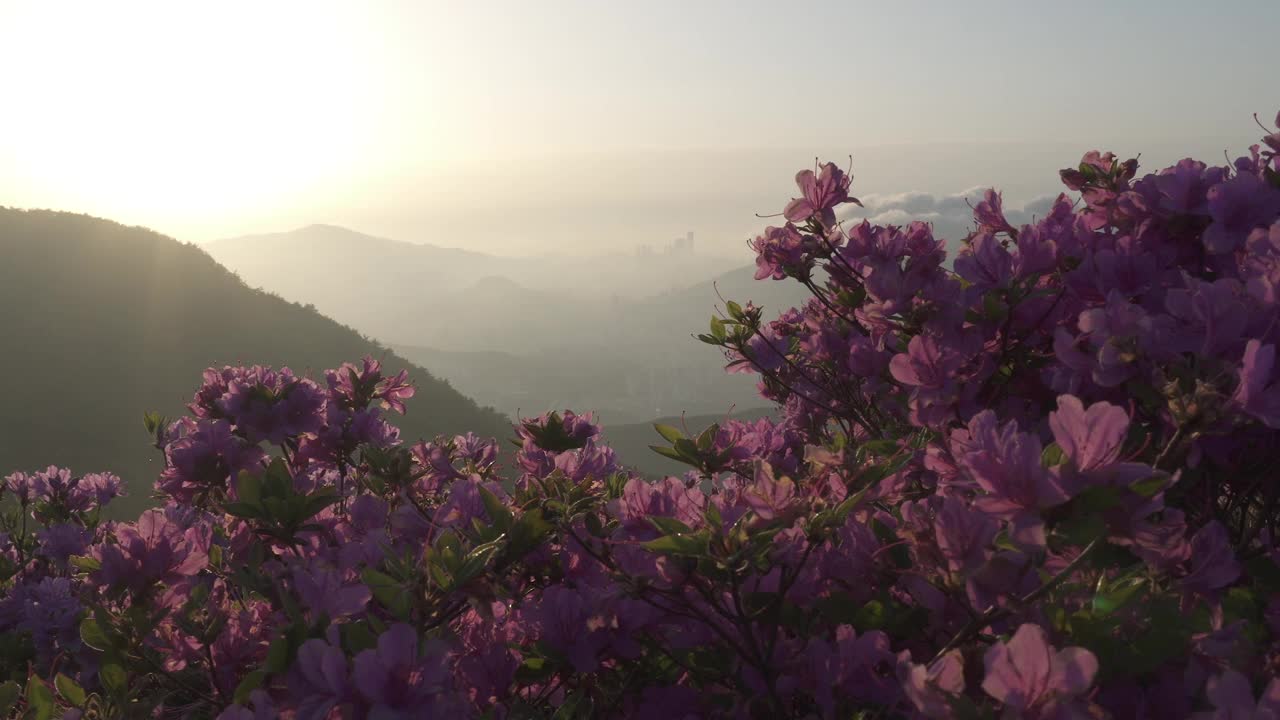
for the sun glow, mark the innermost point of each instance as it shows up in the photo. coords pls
(192, 108)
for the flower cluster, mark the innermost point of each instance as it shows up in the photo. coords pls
(1034, 482)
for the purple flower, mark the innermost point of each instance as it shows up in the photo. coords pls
(1091, 440)
(589, 461)
(985, 262)
(1016, 486)
(204, 458)
(1258, 394)
(669, 498)
(323, 590)
(157, 547)
(926, 364)
(399, 682)
(768, 497)
(1233, 698)
(464, 502)
(319, 680)
(1213, 564)
(989, 214)
(394, 391)
(964, 535)
(487, 665)
(1031, 679)
(860, 666)
(263, 709)
(21, 485)
(369, 428)
(51, 612)
(565, 620)
(59, 542)
(820, 194)
(64, 492)
(1213, 315)
(783, 251)
(928, 368)
(931, 688)
(1237, 206)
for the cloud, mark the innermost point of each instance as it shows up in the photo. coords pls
(951, 215)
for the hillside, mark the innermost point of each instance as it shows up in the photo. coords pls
(101, 322)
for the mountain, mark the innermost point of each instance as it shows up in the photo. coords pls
(102, 322)
(612, 334)
(640, 362)
(420, 294)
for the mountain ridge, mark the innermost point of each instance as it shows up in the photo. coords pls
(105, 322)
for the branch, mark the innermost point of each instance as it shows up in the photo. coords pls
(995, 613)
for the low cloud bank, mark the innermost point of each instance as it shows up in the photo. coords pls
(951, 215)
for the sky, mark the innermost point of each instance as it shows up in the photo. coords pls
(576, 126)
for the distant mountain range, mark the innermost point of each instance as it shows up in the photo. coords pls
(100, 322)
(524, 335)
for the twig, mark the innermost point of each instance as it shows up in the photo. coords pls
(995, 613)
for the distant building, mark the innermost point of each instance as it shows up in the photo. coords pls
(680, 245)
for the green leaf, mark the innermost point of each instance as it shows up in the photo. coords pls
(278, 655)
(994, 307)
(251, 682)
(668, 433)
(357, 636)
(70, 690)
(1096, 499)
(712, 515)
(244, 510)
(249, 488)
(708, 437)
(1052, 456)
(386, 590)
(497, 511)
(717, 329)
(528, 532)
(9, 693)
(84, 562)
(534, 669)
(693, 545)
(670, 526)
(39, 699)
(879, 447)
(672, 454)
(687, 448)
(1109, 600)
(1148, 487)
(898, 551)
(92, 635)
(1265, 573)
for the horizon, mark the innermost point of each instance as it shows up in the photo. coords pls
(552, 134)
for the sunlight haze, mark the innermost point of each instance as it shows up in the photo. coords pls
(524, 128)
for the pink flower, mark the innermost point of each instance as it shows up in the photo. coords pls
(820, 194)
(1032, 680)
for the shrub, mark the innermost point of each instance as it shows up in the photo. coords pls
(1037, 484)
